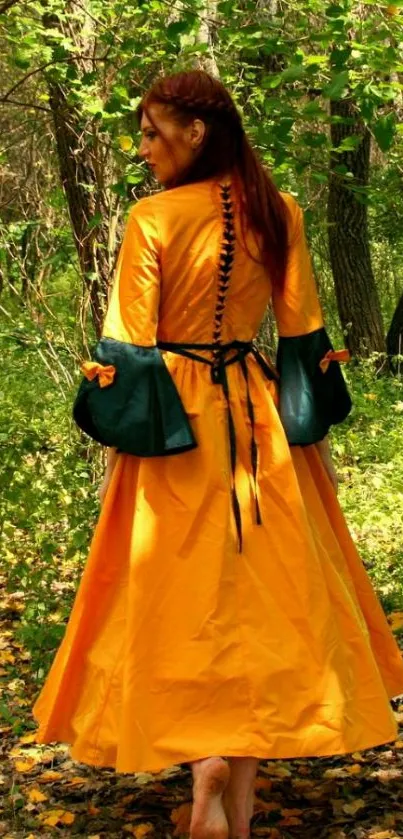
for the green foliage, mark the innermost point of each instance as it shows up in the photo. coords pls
(48, 479)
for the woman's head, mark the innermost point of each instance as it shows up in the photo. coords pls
(192, 131)
(191, 128)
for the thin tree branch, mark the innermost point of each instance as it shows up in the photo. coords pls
(26, 105)
(40, 70)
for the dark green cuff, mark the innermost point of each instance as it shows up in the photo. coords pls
(310, 400)
(140, 412)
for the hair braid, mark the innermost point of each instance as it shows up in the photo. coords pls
(207, 106)
(225, 149)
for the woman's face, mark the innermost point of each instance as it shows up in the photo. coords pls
(168, 147)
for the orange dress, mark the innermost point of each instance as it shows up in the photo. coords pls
(194, 633)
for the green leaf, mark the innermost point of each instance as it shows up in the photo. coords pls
(385, 130)
(336, 87)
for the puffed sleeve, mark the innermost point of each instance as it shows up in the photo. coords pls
(313, 393)
(127, 398)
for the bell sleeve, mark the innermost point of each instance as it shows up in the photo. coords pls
(313, 393)
(127, 398)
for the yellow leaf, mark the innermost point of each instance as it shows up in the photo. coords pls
(50, 776)
(370, 396)
(138, 830)
(355, 769)
(93, 811)
(25, 765)
(392, 10)
(399, 744)
(67, 818)
(51, 817)
(125, 142)
(28, 738)
(354, 807)
(55, 817)
(36, 795)
(383, 834)
(6, 658)
(396, 620)
(77, 781)
(358, 756)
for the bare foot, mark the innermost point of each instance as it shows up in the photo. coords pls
(239, 816)
(209, 821)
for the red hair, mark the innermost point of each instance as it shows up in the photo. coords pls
(226, 149)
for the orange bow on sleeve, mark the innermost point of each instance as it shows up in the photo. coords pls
(106, 374)
(342, 356)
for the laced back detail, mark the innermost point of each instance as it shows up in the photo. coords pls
(226, 262)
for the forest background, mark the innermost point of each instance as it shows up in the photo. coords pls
(320, 87)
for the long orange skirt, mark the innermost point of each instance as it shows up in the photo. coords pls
(180, 647)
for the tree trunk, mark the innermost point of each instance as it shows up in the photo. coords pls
(394, 340)
(82, 168)
(356, 292)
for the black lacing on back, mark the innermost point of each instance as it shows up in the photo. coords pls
(225, 266)
(226, 354)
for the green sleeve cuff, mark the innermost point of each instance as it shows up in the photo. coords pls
(310, 400)
(130, 401)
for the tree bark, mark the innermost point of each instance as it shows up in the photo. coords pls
(356, 292)
(82, 167)
(394, 339)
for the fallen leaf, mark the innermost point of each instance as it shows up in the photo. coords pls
(387, 775)
(127, 799)
(92, 810)
(290, 821)
(399, 744)
(25, 765)
(55, 817)
(277, 771)
(35, 795)
(77, 781)
(383, 834)
(180, 817)
(28, 738)
(355, 769)
(263, 783)
(49, 776)
(290, 813)
(261, 806)
(353, 808)
(338, 772)
(139, 830)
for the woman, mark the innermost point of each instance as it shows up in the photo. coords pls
(224, 615)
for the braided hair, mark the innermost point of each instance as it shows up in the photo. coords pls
(226, 149)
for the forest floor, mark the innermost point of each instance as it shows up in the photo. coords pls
(44, 793)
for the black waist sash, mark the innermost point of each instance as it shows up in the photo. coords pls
(222, 356)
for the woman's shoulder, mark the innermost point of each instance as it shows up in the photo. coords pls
(168, 197)
(295, 214)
